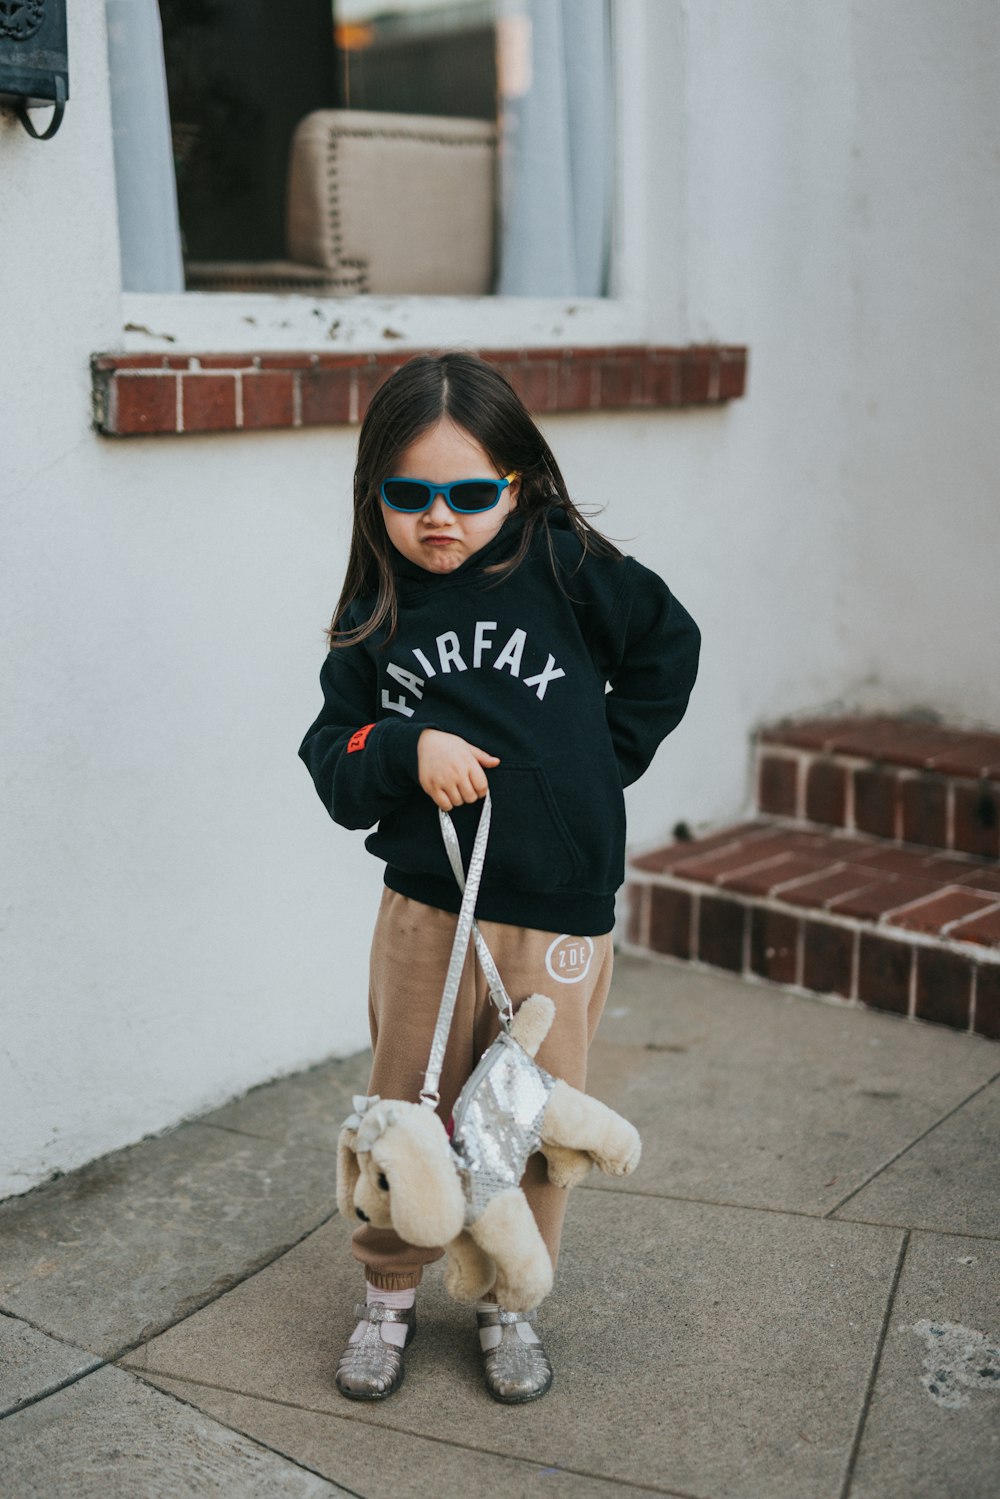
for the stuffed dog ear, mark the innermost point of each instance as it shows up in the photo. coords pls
(425, 1194)
(348, 1171)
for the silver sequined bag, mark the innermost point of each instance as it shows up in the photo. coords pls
(496, 1122)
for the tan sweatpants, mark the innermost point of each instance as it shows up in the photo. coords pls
(409, 959)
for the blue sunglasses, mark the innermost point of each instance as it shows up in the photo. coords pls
(465, 496)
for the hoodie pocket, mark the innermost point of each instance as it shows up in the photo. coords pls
(530, 845)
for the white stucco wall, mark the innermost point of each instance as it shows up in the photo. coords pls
(180, 918)
(924, 606)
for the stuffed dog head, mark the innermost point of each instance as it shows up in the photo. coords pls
(396, 1169)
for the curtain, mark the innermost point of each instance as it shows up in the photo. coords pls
(149, 228)
(556, 115)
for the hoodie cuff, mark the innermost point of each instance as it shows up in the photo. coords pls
(395, 745)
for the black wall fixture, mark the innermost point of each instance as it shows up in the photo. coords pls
(34, 65)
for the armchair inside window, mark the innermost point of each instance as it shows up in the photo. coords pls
(379, 203)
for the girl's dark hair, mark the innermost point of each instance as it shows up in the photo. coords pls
(476, 397)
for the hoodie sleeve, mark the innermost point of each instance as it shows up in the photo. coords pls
(361, 769)
(649, 647)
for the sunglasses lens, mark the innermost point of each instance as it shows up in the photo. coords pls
(477, 494)
(406, 494)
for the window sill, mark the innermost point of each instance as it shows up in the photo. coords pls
(172, 394)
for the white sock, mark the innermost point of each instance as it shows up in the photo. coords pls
(392, 1332)
(489, 1337)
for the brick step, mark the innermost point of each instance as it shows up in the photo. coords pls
(841, 914)
(909, 781)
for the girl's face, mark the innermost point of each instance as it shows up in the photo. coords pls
(439, 539)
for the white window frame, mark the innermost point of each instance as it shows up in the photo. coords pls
(647, 43)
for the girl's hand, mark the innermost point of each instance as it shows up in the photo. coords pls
(451, 769)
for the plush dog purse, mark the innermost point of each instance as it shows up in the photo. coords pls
(397, 1167)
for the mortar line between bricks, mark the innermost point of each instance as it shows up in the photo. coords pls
(406, 1431)
(916, 1141)
(852, 1456)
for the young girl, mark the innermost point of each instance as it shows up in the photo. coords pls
(480, 623)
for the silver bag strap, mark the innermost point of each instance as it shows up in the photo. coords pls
(494, 982)
(429, 1094)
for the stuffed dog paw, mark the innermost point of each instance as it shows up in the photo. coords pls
(397, 1168)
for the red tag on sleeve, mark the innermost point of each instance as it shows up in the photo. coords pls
(357, 741)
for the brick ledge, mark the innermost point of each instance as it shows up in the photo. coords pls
(907, 930)
(172, 394)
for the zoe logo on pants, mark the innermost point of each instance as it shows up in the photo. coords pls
(568, 958)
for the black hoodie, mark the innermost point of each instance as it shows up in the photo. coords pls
(517, 666)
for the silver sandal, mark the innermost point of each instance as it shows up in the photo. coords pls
(371, 1369)
(514, 1371)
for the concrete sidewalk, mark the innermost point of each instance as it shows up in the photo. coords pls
(797, 1294)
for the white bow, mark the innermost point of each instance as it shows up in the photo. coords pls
(371, 1118)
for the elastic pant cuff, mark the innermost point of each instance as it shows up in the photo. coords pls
(385, 1281)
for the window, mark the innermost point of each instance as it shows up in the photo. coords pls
(474, 135)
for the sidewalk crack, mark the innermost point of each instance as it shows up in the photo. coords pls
(852, 1456)
(909, 1146)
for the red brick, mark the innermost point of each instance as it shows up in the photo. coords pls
(971, 754)
(925, 810)
(732, 375)
(827, 958)
(809, 733)
(618, 383)
(826, 888)
(670, 921)
(878, 899)
(774, 945)
(326, 396)
(267, 399)
(854, 847)
(777, 785)
(792, 868)
(576, 388)
(535, 383)
(876, 794)
(354, 361)
(143, 403)
(661, 859)
(638, 900)
(898, 740)
(987, 879)
(696, 377)
(769, 878)
(982, 929)
(711, 867)
(112, 362)
(932, 915)
(944, 987)
(372, 376)
(661, 381)
(826, 793)
(208, 403)
(721, 925)
(556, 352)
(576, 378)
(225, 361)
(987, 1021)
(911, 862)
(977, 819)
(952, 871)
(884, 973)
